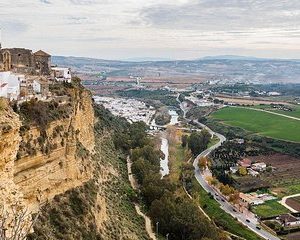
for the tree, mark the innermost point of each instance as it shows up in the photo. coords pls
(226, 190)
(234, 197)
(184, 140)
(16, 224)
(198, 142)
(243, 171)
(202, 163)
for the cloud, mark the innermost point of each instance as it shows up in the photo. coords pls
(228, 15)
(45, 1)
(13, 26)
(177, 28)
(83, 2)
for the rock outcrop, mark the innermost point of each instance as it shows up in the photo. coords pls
(39, 162)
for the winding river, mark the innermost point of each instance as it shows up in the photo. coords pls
(164, 163)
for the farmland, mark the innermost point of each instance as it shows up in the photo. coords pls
(269, 209)
(262, 123)
(294, 113)
(294, 202)
(284, 178)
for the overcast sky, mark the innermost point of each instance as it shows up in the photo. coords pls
(177, 29)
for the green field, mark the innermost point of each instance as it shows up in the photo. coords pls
(270, 209)
(221, 218)
(294, 113)
(262, 123)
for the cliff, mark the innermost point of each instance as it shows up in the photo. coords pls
(41, 155)
(57, 157)
(58, 160)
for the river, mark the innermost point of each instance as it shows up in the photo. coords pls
(164, 163)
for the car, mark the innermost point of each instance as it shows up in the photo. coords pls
(258, 227)
(247, 220)
(234, 210)
(222, 200)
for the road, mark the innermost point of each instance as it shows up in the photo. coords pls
(283, 202)
(225, 205)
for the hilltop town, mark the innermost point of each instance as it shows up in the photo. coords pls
(25, 74)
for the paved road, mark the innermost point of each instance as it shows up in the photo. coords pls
(225, 205)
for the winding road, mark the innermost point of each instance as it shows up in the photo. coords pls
(249, 222)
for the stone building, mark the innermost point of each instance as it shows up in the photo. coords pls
(42, 62)
(23, 60)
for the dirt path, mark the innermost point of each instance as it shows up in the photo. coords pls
(134, 185)
(274, 113)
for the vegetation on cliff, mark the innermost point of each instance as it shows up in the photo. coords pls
(102, 208)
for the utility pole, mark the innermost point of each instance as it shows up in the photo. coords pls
(157, 228)
(167, 236)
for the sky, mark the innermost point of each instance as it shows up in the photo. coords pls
(174, 29)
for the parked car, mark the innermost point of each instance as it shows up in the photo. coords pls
(247, 220)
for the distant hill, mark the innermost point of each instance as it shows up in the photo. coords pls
(233, 57)
(147, 59)
(224, 69)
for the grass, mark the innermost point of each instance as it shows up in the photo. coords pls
(262, 123)
(223, 219)
(213, 141)
(269, 209)
(287, 190)
(294, 113)
(177, 154)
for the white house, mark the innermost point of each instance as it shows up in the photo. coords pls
(3, 90)
(261, 166)
(62, 74)
(13, 84)
(253, 173)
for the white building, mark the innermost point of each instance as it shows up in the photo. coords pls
(253, 173)
(259, 166)
(12, 88)
(3, 90)
(62, 74)
(234, 170)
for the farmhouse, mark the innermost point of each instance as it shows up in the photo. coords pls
(255, 199)
(261, 166)
(250, 199)
(245, 162)
(289, 220)
(253, 173)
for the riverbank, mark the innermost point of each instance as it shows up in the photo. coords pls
(134, 185)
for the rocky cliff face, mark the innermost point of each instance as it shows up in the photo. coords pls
(55, 159)
(38, 162)
(61, 153)
(11, 198)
